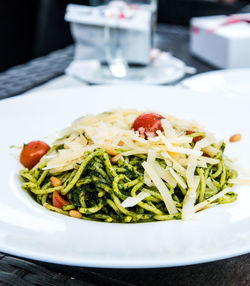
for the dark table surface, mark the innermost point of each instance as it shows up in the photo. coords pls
(17, 271)
(19, 79)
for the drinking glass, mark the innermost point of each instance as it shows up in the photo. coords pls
(113, 34)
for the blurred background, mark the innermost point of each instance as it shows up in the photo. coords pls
(31, 28)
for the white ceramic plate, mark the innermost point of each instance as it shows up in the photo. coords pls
(231, 82)
(29, 230)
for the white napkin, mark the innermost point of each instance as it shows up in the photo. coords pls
(84, 69)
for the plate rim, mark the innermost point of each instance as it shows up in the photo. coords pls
(186, 81)
(179, 75)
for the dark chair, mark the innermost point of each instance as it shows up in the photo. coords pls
(17, 30)
(31, 28)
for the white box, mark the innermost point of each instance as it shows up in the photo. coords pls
(222, 45)
(87, 28)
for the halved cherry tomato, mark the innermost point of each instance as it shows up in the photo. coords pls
(32, 153)
(195, 139)
(147, 124)
(58, 201)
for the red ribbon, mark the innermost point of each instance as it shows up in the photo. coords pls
(230, 21)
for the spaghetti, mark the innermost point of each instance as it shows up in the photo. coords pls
(107, 171)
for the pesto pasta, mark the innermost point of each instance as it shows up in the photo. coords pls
(103, 169)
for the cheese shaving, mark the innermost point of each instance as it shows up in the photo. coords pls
(188, 209)
(150, 160)
(178, 178)
(239, 181)
(203, 204)
(165, 174)
(164, 191)
(211, 185)
(176, 165)
(133, 201)
(168, 128)
(182, 150)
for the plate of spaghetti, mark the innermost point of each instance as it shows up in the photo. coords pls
(125, 177)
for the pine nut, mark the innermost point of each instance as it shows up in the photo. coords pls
(115, 159)
(235, 138)
(75, 214)
(111, 151)
(55, 182)
(120, 143)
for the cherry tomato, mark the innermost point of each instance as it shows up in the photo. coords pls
(206, 155)
(58, 201)
(32, 153)
(147, 124)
